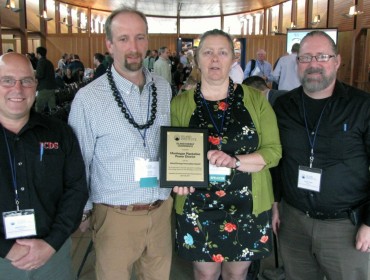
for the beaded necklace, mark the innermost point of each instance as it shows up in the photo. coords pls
(226, 117)
(125, 110)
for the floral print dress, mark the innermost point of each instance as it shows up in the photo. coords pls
(217, 224)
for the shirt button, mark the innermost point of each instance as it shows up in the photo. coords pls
(16, 138)
(311, 194)
(313, 132)
(22, 189)
(20, 163)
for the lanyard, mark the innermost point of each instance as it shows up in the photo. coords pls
(143, 135)
(13, 170)
(221, 130)
(313, 139)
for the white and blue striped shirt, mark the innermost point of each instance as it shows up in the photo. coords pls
(110, 144)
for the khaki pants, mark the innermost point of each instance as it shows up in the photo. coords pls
(125, 240)
(312, 248)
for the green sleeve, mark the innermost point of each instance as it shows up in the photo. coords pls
(265, 121)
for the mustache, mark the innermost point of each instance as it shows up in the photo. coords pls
(134, 54)
(313, 70)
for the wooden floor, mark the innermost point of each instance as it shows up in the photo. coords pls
(180, 270)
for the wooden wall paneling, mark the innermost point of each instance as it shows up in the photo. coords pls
(322, 6)
(56, 46)
(339, 8)
(301, 14)
(364, 19)
(345, 50)
(253, 44)
(286, 14)
(76, 44)
(97, 45)
(360, 69)
(168, 40)
(275, 47)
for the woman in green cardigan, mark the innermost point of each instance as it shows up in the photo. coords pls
(223, 227)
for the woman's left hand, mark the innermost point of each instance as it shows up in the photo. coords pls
(221, 159)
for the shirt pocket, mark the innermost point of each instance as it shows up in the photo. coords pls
(48, 168)
(340, 144)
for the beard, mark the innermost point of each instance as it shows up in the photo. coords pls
(133, 66)
(315, 84)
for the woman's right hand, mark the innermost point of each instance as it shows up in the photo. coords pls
(275, 218)
(183, 190)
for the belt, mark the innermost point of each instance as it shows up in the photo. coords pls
(340, 215)
(137, 207)
(326, 216)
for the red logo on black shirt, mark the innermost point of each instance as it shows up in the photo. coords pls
(50, 145)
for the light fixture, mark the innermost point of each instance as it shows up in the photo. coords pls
(316, 19)
(65, 21)
(292, 25)
(11, 6)
(44, 16)
(275, 30)
(81, 28)
(353, 12)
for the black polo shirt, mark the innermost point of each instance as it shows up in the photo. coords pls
(341, 150)
(53, 183)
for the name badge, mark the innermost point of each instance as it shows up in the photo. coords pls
(218, 174)
(146, 172)
(309, 178)
(19, 223)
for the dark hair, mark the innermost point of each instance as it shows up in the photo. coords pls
(41, 51)
(162, 50)
(214, 32)
(256, 82)
(295, 48)
(323, 34)
(122, 10)
(99, 57)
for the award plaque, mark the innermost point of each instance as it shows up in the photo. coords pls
(183, 157)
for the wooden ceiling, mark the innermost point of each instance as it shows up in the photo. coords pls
(183, 8)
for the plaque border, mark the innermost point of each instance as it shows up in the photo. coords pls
(163, 182)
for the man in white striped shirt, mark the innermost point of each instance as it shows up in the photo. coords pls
(117, 119)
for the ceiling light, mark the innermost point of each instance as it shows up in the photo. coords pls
(316, 20)
(65, 21)
(11, 6)
(353, 12)
(44, 16)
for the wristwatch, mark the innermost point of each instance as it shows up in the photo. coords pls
(85, 216)
(237, 162)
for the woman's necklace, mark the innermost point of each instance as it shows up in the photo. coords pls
(125, 110)
(215, 138)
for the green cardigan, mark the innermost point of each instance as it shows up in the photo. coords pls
(263, 116)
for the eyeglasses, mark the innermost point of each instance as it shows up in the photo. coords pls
(319, 58)
(9, 82)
